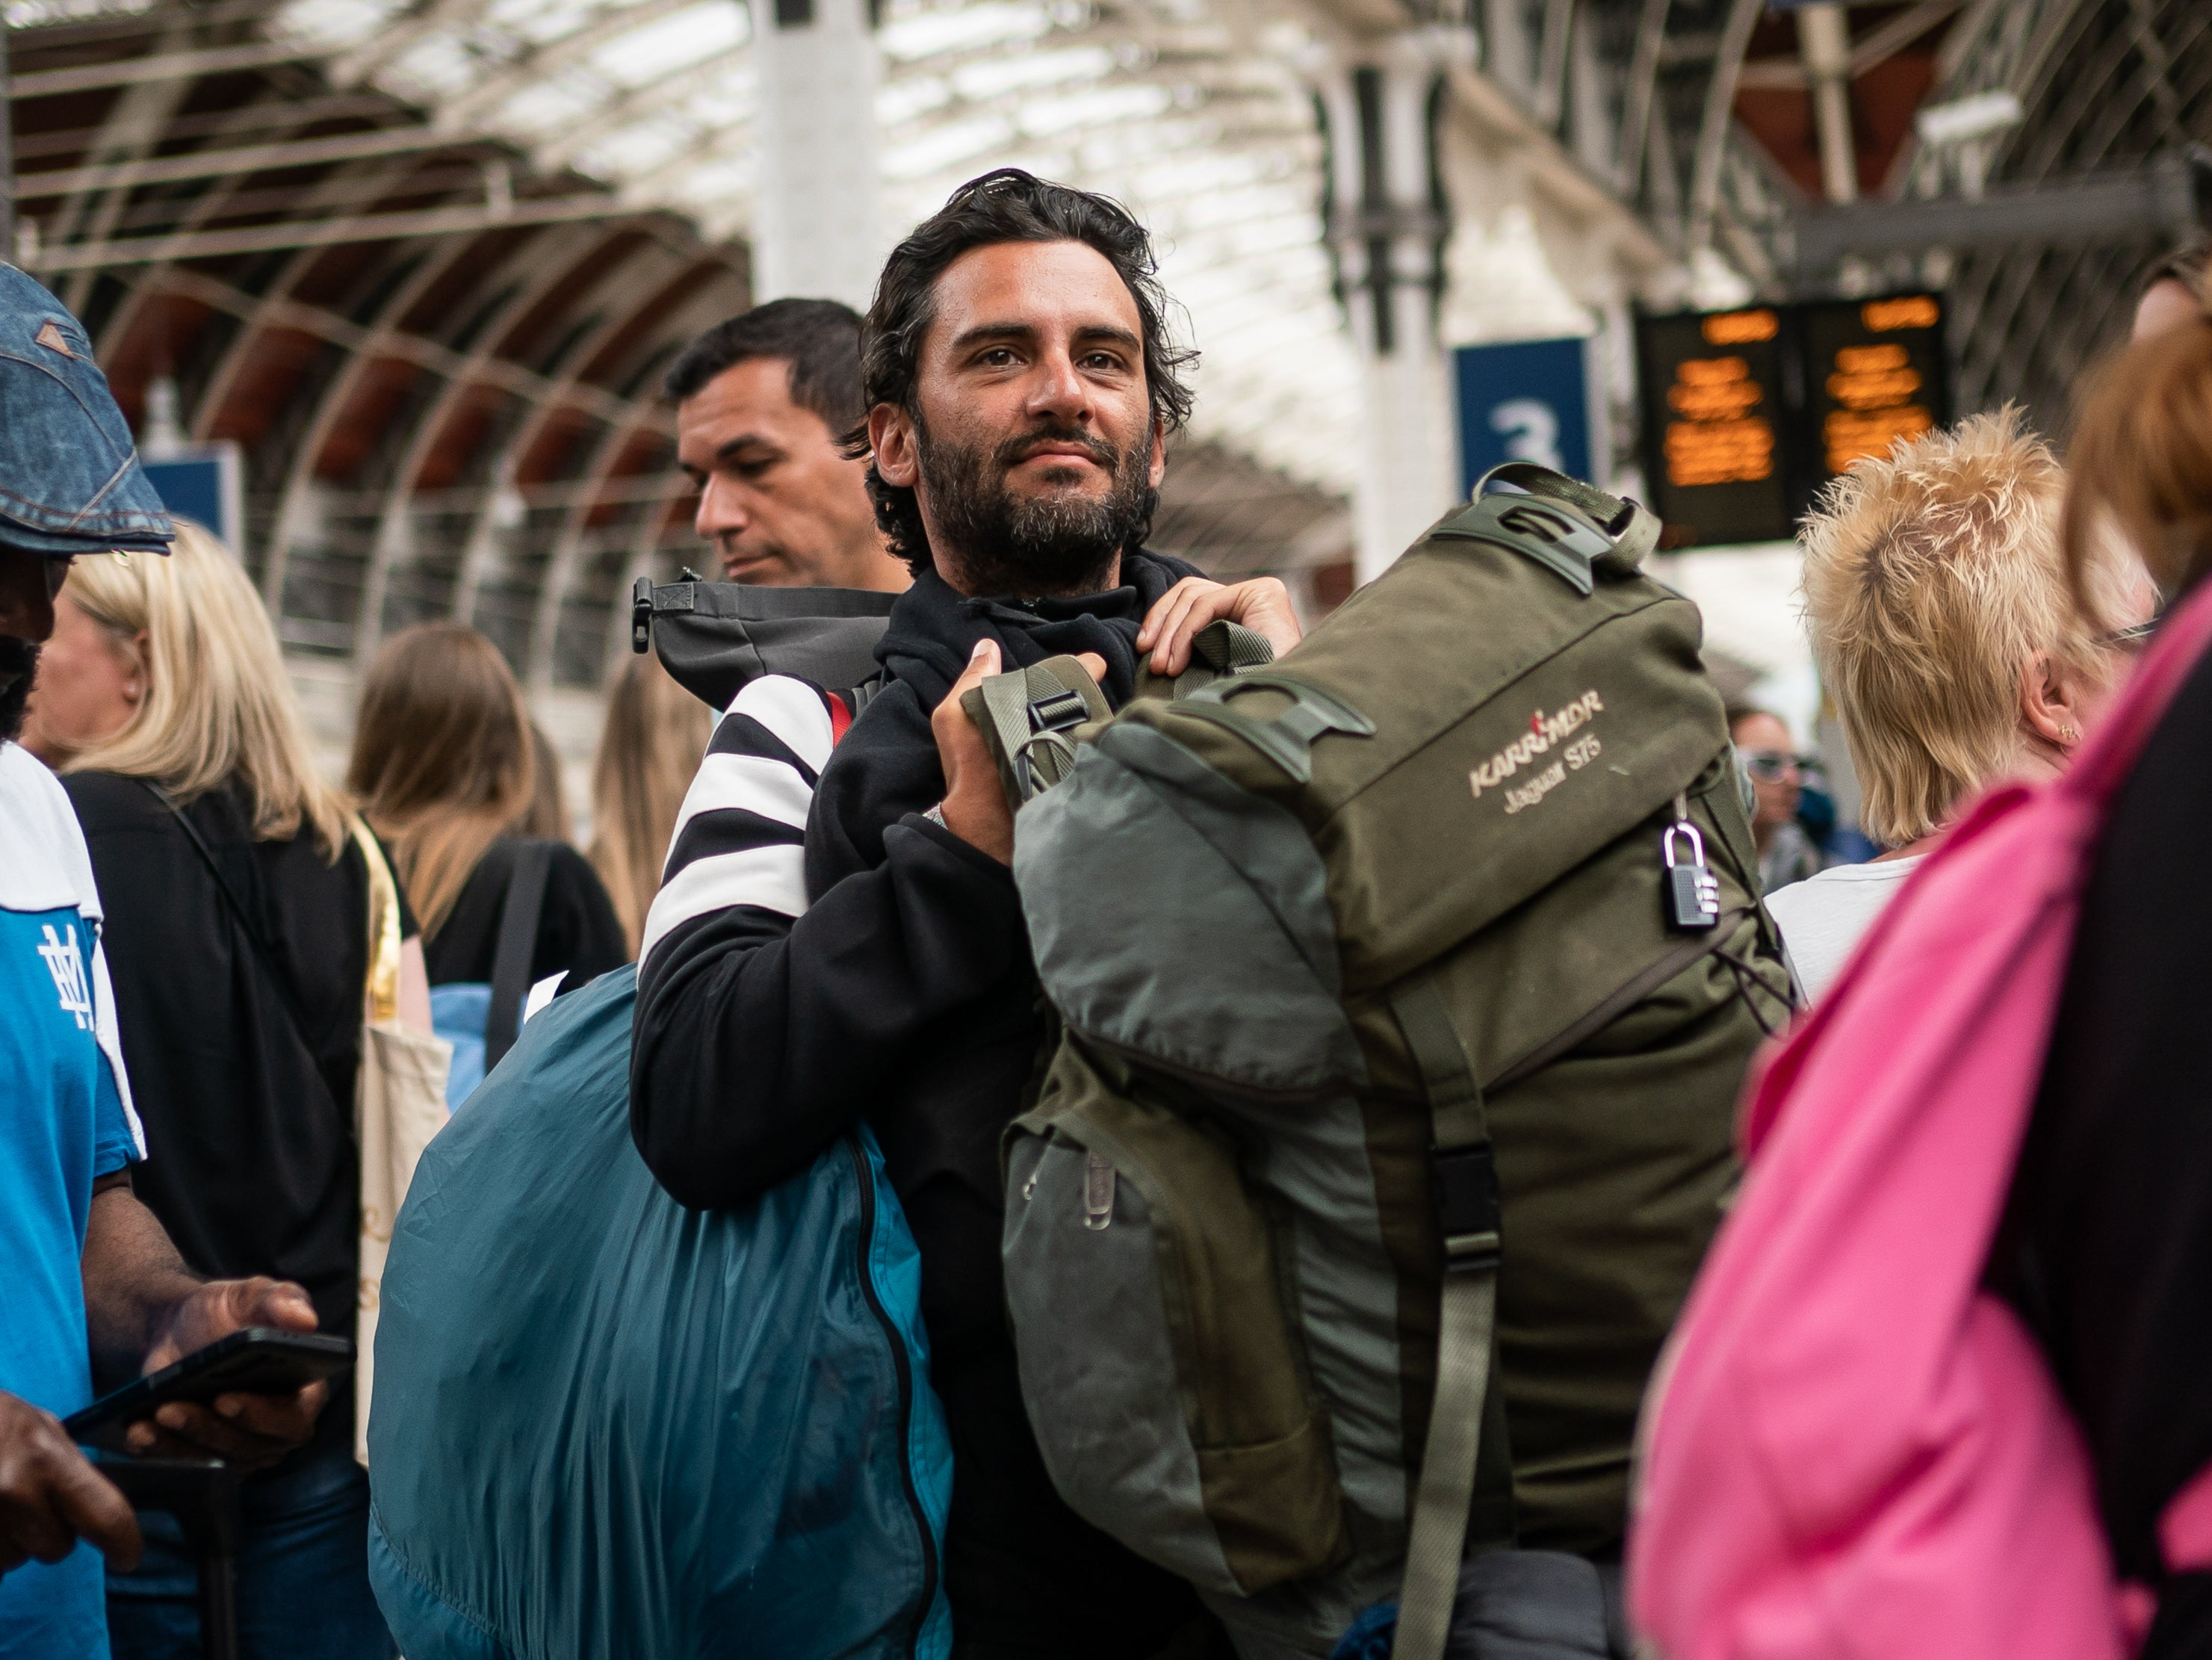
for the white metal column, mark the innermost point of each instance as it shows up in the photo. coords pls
(817, 229)
(1387, 231)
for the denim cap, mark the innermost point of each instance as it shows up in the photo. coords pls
(70, 478)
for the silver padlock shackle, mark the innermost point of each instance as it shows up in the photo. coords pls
(1697, 843)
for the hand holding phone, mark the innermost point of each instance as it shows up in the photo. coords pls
(251, 1421)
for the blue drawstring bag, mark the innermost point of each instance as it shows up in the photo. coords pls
(606, 1425)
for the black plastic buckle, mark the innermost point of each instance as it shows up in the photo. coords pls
(1058, 712)
(1468, 1205)
(641, 615)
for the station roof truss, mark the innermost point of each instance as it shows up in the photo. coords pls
(426, 262)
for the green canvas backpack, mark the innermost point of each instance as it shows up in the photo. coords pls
(1390, 1110)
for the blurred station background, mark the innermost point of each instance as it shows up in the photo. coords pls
(386, 286)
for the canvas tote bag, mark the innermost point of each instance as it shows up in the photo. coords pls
(399, 1103)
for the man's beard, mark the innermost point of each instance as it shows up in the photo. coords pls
(1004, 544)
(19, 665)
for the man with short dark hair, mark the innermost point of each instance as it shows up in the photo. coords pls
(1020, 390)
(761, 404)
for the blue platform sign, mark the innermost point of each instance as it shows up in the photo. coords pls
(1524, 400)
(202, 482)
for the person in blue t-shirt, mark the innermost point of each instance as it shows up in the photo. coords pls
(93, 1285)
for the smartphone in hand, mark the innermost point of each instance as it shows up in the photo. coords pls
(257, 1360)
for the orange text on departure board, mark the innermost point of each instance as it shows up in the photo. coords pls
(1740, 328)
(1717, 440)
(1876, 387)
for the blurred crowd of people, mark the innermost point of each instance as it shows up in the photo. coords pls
(1974, 605)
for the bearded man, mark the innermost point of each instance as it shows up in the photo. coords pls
(1021, 388)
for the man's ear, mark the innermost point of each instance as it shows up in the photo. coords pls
(890, 436)
(2051, 695)
(1158, 469)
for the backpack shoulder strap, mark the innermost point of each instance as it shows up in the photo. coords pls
(264, 952)
(1467, 1216)
(518, 945)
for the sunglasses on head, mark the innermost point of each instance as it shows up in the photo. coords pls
(1770, 765)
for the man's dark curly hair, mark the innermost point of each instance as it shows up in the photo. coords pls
(1005, 205)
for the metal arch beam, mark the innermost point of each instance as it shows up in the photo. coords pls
(1551, 98)
(349, 68)
(560, 572)
(561, 566)
(1639, 96)
(182, 67)
(277, 299)
(1713, 127)
(555, 152)
(244, 160)
(374, 347)
(174, 247)
(609, 23)
(567, 548)
(131, 128)
(333, 107)
(477, 549)
(331, 190)
(546, 273)
(210, 205)
(199, 211)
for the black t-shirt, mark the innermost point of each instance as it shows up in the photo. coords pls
(252, 1162)
(2108, 1245)
(577, 928)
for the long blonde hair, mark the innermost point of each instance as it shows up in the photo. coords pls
(442, 758)
(649, 749)
(218, 704)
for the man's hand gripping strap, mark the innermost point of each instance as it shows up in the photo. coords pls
(1025, 716)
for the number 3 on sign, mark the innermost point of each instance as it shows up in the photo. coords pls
(1531, 429)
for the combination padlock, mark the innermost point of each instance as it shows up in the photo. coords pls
(1693, 891)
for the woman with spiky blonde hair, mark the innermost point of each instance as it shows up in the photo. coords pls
(1936, 597)
(238, 937)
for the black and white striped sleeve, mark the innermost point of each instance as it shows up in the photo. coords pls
(767, 1025)
(739, 842)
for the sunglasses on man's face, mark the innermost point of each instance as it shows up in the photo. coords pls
(1770, 766)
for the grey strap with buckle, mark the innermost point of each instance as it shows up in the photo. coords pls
(1026, 715)
(1468, 1214)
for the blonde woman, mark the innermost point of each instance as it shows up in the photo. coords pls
(1937, 600)
(444, 766)
(163, 696)
(649, 751)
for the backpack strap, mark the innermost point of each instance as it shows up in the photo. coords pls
(1219, 651)
(1467, 1216)
(1572, 530)
(1026, 715)
(1285, 738)
(518, 945)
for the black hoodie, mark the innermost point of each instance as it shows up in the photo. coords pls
(905, 994)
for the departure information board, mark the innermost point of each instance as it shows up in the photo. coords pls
(1875, 372)
(1713, 402)
(1747, 413)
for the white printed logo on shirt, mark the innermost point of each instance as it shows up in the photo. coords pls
(66, 964)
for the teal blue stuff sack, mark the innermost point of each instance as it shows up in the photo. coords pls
(606, 1425)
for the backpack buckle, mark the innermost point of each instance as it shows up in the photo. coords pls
(1468, 1206)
